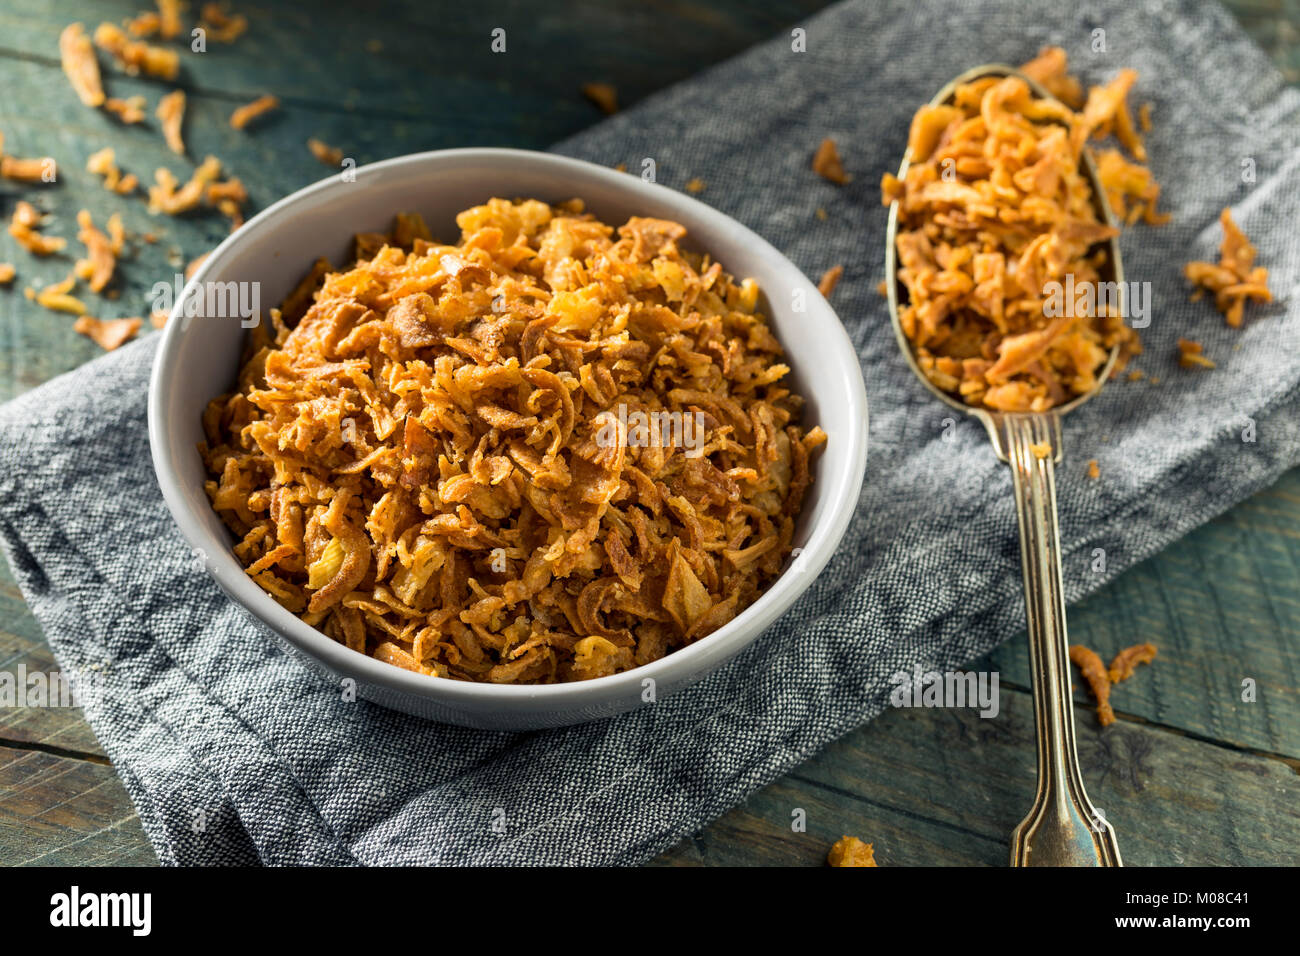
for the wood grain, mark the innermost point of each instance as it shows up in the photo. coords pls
(1222, 606)
(61, 811)
(60, 730)
(946, 787)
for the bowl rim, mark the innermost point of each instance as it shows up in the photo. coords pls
(691, 662)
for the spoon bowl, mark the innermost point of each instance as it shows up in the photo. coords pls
(1112, 271)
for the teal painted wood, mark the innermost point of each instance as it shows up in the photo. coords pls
(61, 811)
(945, 788)
(1190, 774)
(1223, 606)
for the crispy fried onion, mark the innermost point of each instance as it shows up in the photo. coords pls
(435, 456)
(1235, 278)
(994, 214)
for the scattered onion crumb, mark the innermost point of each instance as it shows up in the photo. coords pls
(1235, 278)
(220, 25)
(79, 64)
(144, 24)
(104, 163)
(329, 155)
(169, 18)
(228, 197)
(1144, 117)
(164, 196)
(1094, 672)
(58, 297)
(1190, 355)
(136, 57)
(1094, 470)
(230, 209)
(695, 186)
(7, 273)
(1100, 679)
(829, 280)
(171, 113)
(101, 250)
(603, 95)
(1041, 449)
(230, 190)
(245, 114)
(166, 21)
(108, 334)
(26, 170)
(822, 214)
(1127, 660)
(24, 227)
(850, 851)
(128, 111)
(827, 164)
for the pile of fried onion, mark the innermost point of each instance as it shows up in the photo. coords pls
(997, 218)
(434, 455)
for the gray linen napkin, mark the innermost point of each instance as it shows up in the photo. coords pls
(235, 753)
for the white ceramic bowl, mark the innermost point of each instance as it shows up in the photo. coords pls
(197, 360)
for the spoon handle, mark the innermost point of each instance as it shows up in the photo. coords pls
(1063, 828)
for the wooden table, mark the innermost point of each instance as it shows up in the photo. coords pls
(1190, 774)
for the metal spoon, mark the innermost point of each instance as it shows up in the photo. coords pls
(1063, 828)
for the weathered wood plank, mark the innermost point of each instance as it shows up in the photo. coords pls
(56, 811)
(439, 67)
(945, 787)
(61, 729)
(1222, 606)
